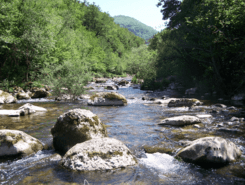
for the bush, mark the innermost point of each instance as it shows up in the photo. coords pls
(73, 76)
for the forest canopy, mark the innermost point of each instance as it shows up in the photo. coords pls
(203, 44)
(135, 26)
(37, 35)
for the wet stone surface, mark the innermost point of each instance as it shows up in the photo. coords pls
(136, 125)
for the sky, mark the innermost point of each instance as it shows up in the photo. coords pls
(144, 11)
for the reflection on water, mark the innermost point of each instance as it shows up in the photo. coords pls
(136, 125)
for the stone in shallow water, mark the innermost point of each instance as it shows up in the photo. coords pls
(14, 142)
(180, 120)
(107, 99)
(204, 116)
(76, 126)
(210, 151)
(29, 109)
(6, 98)
(98, 154)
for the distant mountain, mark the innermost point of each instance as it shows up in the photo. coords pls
(135, 26)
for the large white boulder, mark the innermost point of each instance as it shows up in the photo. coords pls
(210, 151)
(98, 154)
(6, 98)
(23, 95)
(180, 120)
(76, 126)
(29, 109)
(10, 113)
(107, 99)
(14, 142)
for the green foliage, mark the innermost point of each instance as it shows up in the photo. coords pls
(68, 78)
(135, 26)
(203, 44)
(36, 35)
(134, 80)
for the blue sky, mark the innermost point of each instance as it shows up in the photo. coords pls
(144, 11)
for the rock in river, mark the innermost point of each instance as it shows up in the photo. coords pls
(14, 142)
(180, 120)
(98, 154)
(76, 126)
(29, 109)
(39, 92)
(210, 151)
(107, 98)
(183, 102)
(6, 98)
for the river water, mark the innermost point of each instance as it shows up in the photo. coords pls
(137, 126)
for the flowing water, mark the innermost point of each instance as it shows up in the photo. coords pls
(137, 126)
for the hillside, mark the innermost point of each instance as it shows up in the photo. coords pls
(135, 26)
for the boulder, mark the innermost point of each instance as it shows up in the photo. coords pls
(76, 126)
(183, 102)
(39, 92)
(14, 142)
(111, 87)
(123, 82)
(29, 109)
(100, 80)
(210, 151)
(6, 98)
(180, 120)
(23, 95)
(98, 154)
(107, 98)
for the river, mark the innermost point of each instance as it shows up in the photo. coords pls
(137, 126)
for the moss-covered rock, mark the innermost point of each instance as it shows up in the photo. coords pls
(184, 102)
(107, 99)
(76, 126)
(180, 120)
(14, 142)
(98, 154)
(6, 98)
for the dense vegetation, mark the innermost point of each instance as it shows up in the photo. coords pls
(203, 44)
(135, 26)
(60, 40)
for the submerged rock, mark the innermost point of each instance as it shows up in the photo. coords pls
(180, 120)
(14, 142)
(98, 154)
(6, 98)
(210, 151)
(107, 98)
(76, 126)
